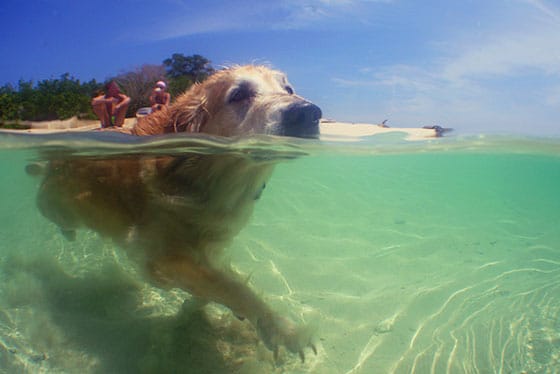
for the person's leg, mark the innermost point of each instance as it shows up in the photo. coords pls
(101, 112)
(120, 114)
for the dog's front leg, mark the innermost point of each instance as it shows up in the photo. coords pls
(226, 288)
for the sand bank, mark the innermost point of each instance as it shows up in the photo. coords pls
(330, 130)
(344, 131)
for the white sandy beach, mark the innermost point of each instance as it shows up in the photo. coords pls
(330, 130)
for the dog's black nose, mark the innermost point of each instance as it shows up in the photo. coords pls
(301, 119)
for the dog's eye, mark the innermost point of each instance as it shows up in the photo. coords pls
(289, 90)
(241, 93)
(238, 95)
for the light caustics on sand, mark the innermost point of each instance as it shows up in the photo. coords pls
(371, 242)
(479, 328)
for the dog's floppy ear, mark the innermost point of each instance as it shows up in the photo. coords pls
(189, 112)
(192, 110)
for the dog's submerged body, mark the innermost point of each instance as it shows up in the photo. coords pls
(175, 214)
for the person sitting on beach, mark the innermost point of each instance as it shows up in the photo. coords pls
(159, 97)
(111, 107)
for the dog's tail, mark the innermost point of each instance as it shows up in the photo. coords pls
(35, 169)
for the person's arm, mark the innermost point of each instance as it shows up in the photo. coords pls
(125, 100)
(153, 98)
(167, 98)
(101, 99)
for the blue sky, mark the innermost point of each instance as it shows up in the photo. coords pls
(475, 65)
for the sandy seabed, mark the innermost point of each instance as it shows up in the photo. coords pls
(404, 263)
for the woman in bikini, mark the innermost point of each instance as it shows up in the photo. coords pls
(111, 107)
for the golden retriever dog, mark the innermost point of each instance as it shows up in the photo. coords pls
(174, 215)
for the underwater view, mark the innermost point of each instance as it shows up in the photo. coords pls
(435, 256)
(254, 187)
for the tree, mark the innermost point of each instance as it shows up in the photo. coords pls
(138, 85)
(196, 67)
(28, 100)
(179, 85)
(9, 104)
(183, 71)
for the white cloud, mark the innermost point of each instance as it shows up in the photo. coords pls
(511, 52)
(514, 48)
(507, 76)
(255, 16)
(523, 41)
(191, 20)
(545, 8)
(552, 97)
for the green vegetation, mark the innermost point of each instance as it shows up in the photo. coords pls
(182, 71)
(65, 97)
(49, 99)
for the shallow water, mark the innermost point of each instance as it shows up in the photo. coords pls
(434, 256)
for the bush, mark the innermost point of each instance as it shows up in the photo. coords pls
(9, 106)
(50, 99)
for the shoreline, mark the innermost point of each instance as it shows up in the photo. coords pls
(330, 130)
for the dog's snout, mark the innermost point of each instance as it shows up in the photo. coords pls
(301, 119)
(304, 113)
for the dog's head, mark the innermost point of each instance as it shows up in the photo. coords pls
(243, 100)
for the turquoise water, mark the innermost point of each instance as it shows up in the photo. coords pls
(427, 257)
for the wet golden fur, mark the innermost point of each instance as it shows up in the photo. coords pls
(202, 108)
(175, 214)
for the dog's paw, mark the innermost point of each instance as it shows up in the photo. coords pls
(276, 331)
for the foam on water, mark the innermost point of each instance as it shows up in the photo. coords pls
(434, 256)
